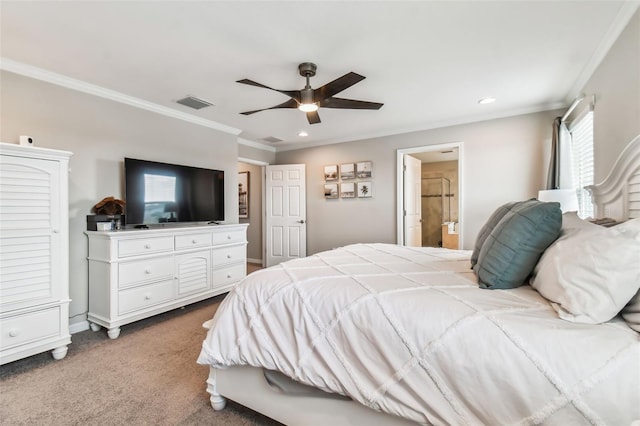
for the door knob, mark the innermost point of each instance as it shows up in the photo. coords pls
(301, 221)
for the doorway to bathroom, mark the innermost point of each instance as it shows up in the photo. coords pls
(434, 196)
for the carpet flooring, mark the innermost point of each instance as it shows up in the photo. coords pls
(147, 376)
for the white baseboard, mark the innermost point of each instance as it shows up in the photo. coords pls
(258, 261)
(78, 327)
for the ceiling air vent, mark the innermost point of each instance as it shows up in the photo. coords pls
(193, 102)
(272, 139)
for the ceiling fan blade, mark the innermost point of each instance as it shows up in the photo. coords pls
(349, 104)
(337, 86)
(291, 103)
(313, 117)
(295, 94)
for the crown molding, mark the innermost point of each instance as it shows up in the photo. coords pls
(427, 126)
(620, 22)
(257, 145)
(92, 89)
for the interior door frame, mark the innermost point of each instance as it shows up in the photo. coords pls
(263, 165)
(400, 154)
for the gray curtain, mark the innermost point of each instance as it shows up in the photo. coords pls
(553, 177)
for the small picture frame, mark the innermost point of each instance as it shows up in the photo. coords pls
(365, 190)
(347, 171)
(363, 170)
(348, 190)
(330, 191)
(331, 172)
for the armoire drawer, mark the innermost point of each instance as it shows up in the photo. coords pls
(144, 246)
(224, 255)
(19, 329)
(141, 297)
(130, 273)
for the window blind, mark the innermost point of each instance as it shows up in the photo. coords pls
(582, 151)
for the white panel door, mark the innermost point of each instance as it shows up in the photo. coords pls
(412, 202)
(286, 213)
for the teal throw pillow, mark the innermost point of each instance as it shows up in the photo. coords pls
(512, 249)
(494, 219)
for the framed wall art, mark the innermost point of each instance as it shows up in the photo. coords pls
(363, 170)
(330, 190)
(365, 190)
(347, 190)
(243, 195)
(347, 171)
(331, 172)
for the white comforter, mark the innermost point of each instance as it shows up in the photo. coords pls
(407, 331)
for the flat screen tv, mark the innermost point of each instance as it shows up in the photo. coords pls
(160, 193)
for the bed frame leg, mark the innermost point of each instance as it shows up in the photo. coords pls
(218, 402)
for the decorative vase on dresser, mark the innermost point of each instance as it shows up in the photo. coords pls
(134, 274)
(34, 252)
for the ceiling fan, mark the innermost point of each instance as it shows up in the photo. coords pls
(309, 100)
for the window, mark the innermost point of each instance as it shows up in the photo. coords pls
(582, 155)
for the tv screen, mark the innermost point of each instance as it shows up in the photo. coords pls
(160, 193)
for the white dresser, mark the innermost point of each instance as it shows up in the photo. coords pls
(34, 252)
(134, 274)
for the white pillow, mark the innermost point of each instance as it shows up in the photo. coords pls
(631, 312)
(590, 273)
(571, 220)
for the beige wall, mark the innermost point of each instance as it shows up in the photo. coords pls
(101, 133)
(504, 160)
(616, 85)
(254, 232)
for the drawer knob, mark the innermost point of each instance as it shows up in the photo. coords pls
(228, 256)
(228, 237)
(228, 275)
(147, 246)
(194, 241)
(13, 333)
(147, 271)
(147, 297)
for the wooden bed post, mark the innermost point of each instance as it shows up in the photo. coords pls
(218, 402)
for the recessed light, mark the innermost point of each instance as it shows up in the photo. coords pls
(303, 134)
(487, 100)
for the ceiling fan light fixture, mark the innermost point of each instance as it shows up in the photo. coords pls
(308, 107)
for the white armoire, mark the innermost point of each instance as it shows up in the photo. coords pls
(34, 252)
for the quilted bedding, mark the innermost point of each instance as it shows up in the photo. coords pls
(407, 331)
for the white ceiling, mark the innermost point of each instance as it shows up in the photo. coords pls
(429, 62)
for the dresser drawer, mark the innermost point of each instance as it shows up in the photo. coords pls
(228, 237)
(130, 273)
(228, 275)
(145, 246)
(141, 297)
(224, 255)
(193, 240)
(25, 328)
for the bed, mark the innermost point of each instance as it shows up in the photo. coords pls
(387, 334)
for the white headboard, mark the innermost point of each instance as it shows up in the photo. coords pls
(618, 195)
